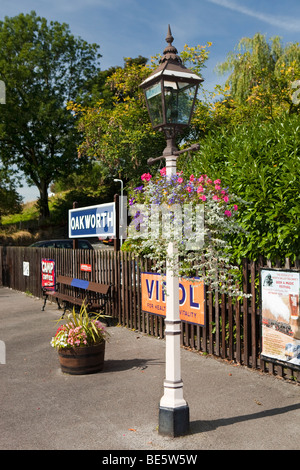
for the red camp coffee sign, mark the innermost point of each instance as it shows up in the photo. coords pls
(48, 273)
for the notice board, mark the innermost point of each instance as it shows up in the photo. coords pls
(191, 298)
(280, 316)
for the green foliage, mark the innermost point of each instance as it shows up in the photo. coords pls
(261, 75)
(10, 200)
(260, 162)
(120, 136)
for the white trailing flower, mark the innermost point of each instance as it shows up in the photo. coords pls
(197, 215)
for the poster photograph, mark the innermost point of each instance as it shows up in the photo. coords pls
(280, 316)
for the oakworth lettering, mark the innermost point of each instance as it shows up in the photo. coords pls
(86, 221)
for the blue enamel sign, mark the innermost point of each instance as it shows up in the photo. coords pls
(93, 221)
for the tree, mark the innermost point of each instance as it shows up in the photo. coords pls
(120, 136)
(261, 77)
(43, 66)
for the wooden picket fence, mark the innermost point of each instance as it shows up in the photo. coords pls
(232, 328)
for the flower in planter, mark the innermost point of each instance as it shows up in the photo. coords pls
(79, 331)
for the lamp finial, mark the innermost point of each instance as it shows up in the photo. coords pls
(170, 52)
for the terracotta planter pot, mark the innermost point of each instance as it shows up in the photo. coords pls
(83, 360)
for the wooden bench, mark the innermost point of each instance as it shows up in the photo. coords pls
(69, 290)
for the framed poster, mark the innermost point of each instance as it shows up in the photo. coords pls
(280, 316)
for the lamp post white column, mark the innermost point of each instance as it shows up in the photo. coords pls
(173, 409)
(171, 92)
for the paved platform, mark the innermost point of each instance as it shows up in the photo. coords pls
(231, 407)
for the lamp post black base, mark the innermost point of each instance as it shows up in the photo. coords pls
(174, 422)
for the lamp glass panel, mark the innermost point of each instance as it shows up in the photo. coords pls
(179, 98)
(153, 96)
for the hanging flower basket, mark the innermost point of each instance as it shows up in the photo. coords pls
(198, 214)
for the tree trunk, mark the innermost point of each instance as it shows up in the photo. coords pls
(43, 201)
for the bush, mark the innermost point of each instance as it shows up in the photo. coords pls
(260, 162)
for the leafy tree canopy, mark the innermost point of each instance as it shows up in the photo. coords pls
(120, 137)
(260, 82)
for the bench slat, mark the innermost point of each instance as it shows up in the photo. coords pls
(80, 283)
(64, 280)
(100, 288)
(65, 297)
(91, 286)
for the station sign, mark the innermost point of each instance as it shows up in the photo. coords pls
(93, 221)
(191, 298)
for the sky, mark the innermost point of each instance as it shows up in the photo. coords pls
(129, 28)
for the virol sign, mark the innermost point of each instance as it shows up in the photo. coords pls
(191, 298)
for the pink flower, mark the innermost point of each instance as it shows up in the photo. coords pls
(189, 189)
(180, 180)
(200, 179)
(163, 171)
(99, 325)
(215, 197)
(227, 213)
(203, 197)
(200, 189)
(235, 207)
(146, 177)
(217, 182)
(192, 177)
(217, 186)
(209, 180)
(226, 198)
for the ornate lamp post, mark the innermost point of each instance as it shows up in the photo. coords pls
(170, 93)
